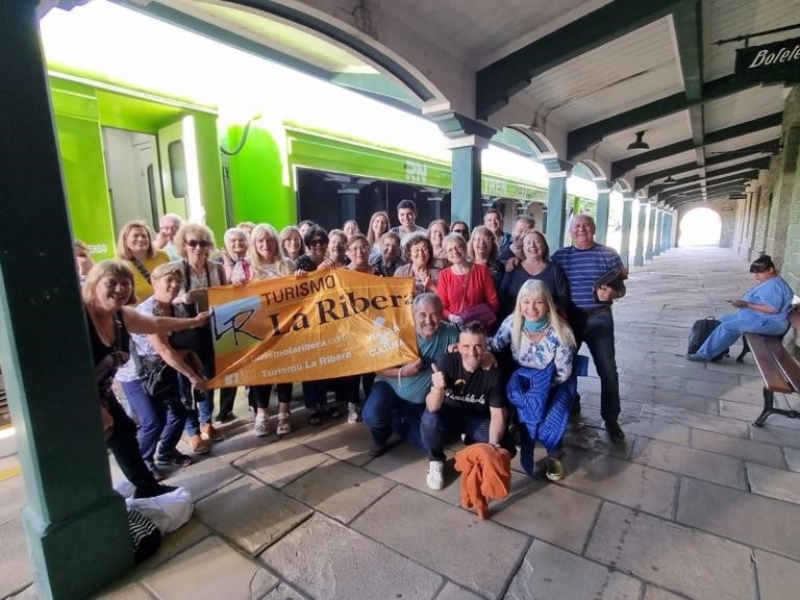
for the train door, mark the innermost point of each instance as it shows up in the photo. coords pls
(180, 174)
(131, 168)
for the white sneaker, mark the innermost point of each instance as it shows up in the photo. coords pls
(261, 426)
(435, 477)
(352, 413)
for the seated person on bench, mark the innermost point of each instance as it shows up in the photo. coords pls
(764, 309)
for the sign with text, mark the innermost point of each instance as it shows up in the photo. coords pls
(770, 59)
(318, 326)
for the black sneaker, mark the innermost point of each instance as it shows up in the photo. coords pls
(172, 459)
(615, 432)
(377, 449)
(222, 419)
(153, 491)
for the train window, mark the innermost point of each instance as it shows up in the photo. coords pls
(177, 168)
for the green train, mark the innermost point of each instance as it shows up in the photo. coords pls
(138, 150)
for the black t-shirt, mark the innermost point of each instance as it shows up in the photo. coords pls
(474, 392)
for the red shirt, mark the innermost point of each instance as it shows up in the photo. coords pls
(459, 292)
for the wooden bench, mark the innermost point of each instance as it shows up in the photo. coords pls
(778, 368)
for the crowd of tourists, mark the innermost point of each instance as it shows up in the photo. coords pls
(499, 320)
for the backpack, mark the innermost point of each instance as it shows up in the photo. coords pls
(701, 329)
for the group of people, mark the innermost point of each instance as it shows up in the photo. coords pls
(492, 310)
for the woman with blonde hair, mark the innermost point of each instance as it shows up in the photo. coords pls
(265, 260)
(543, 387)
(135, 247)
(292, 242)
(437, 231)
(378, 225)
(482, 250)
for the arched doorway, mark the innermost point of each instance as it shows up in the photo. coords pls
(700, 227)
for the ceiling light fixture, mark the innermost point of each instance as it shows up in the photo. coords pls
(670, 180)
(639, 144)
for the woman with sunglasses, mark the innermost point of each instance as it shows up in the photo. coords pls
(107, 293)
(135, 247)
(461, 228)
(763, 309)
(265, 260)
(194, 243)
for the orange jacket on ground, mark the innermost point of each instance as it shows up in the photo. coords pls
(485, 474)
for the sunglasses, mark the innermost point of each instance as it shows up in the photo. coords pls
(460, 231)
(196, 243)
(318, 243)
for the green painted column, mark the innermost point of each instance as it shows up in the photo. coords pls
(638, 257)
(627, 212)
(75, 525)
(658, 232)
(603, 191)
(556, 209)
(651, 230)
(465, 200)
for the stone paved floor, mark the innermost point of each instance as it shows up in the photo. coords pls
(697, 504)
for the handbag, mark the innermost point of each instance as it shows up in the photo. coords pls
(479, 312)
(159, 380)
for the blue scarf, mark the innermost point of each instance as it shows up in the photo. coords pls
(535, 326)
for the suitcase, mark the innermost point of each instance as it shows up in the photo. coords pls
(701, 329)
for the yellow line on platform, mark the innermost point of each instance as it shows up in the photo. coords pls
(10, 472)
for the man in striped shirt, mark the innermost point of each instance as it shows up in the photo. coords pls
(589, 311)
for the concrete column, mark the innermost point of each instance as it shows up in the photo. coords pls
(659, 230)
(666, 234)
(556, 209)
(466, 203)
(627, 211)
(75, 524)
(638, 258)
(436, 202)
(651, 231)
(603, 191)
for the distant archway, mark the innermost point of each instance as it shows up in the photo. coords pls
(700, 227)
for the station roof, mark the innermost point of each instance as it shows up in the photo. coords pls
(595, 76)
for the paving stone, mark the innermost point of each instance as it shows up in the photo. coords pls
(8, 442)
(196, 574)
(778, 577)
(445, 539)
(656, 593)
(453, 592)
(671, 556)
(701, 404)
(739, 410)
(674, 433)
(338, 490)
(239, 441)
(744, 395)
(31, 593)
(629, 484)
(771, 433)
(696, 420)
(548, 572)
(774, 483)
(346, 442)
(792, 459)
(753, 520)
(688, 461)
(593, 439)
(550, 512)
(328, 561)
(12, 493)
(733, 446)
(128, 591)
(285, 592)
(280, 463)
(251, 514)
(15, 570)
(205, 477)
(176, 542)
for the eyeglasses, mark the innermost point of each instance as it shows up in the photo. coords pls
(196, 243)
(318, 243)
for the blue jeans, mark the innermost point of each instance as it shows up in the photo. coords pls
(597, 330)
(199, 406)
(160, 421)
(732, 326)
(442, 426)
(384, 411)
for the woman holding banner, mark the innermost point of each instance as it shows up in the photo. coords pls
(418, 252)
(265, 260)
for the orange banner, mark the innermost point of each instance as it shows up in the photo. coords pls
(321, 325)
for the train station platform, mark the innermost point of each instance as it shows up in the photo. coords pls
(696, 504)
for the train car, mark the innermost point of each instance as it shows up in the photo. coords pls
(138, 146)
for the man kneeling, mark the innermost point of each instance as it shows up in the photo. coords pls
(464, 398)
